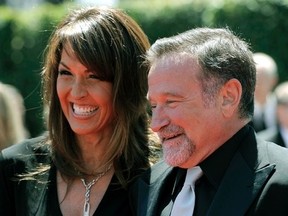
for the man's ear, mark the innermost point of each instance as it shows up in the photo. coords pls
(231, 94)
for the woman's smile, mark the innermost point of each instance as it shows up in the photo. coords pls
(84, 110)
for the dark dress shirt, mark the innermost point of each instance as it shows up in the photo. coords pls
(214, 168)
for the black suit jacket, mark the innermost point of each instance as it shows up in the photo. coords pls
(255, 183)
(23, 197)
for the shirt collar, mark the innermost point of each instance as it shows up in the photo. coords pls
(216, 164)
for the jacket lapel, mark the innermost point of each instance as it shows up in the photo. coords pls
(156, 191)
(235, 195)
(37, 190)
(173, 183)
(154, 200)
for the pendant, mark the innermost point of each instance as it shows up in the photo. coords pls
(86, 209)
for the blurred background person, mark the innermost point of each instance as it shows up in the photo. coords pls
(264, 100)
(12, 116)
(279, 133)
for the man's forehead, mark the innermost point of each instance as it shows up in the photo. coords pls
(173, 62)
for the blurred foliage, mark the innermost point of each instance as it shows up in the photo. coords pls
(24, 35)
(262, 23)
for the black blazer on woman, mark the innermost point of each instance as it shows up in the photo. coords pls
(38, 196)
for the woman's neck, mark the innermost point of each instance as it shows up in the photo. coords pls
(93, 149)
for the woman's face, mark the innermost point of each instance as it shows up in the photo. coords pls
(85, 100)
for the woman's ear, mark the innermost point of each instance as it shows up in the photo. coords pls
(231, 94)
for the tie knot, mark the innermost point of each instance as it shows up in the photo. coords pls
(192, 175)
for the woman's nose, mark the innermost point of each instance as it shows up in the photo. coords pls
(79, 89)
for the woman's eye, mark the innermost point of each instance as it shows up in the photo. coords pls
(94, 76)
(64, 72)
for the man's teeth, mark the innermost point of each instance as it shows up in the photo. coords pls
(83, 110)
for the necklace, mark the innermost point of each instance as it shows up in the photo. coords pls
(88, 186)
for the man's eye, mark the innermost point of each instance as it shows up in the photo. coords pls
(152, 106)
(64, 72)
(170, 101)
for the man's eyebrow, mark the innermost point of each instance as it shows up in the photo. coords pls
(167, 94)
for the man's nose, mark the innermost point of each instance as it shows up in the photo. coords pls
(159, 119)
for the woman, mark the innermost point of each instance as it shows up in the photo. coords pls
(95, 88)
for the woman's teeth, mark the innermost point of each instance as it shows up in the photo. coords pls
(84, 110)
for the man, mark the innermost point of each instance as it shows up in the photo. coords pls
(279, 133)
(264, 98)
(201, 85)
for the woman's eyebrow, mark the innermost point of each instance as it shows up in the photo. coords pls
(63, 64)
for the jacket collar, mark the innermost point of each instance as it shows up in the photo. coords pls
(252, 168)
(235, 195)
(38, 193)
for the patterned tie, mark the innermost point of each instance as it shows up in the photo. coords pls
(185, 200)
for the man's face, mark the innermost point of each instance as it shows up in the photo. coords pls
(185, 124)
